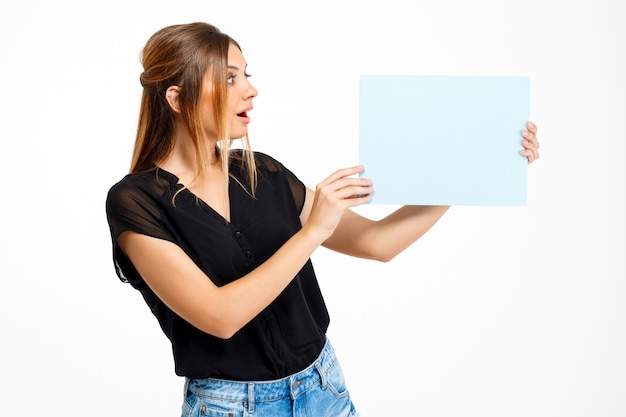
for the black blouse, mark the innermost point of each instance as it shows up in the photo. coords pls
(284, 338)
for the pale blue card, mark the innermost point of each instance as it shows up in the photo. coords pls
(444, 140)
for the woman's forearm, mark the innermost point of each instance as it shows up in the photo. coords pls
(383, 239)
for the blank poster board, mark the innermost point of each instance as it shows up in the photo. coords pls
(444, 140)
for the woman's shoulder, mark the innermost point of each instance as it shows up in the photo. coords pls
(263, 161)
(267, 161)
(154, 183)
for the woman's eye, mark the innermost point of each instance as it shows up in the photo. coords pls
(231, 78)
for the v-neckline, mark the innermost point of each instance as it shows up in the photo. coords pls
(177, 185)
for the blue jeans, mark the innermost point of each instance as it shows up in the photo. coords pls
(318, 391)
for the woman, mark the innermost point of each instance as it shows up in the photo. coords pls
(218, 240)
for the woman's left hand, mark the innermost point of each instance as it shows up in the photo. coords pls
(530, 142)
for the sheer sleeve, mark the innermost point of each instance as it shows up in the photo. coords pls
(298, 189)
(132, 208)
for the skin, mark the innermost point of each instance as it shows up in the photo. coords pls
(326, 218)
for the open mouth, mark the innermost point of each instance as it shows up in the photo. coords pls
(242, 114)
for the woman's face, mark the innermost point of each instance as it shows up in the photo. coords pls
(239, 101)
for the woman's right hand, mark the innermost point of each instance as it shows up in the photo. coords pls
(337, 193)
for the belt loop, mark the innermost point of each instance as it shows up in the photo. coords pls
(323, 381)
(250, 397)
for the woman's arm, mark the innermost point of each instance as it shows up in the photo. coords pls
(222, 311)
(384, 239)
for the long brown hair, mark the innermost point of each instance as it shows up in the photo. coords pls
(181, 55)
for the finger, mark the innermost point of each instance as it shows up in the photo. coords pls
(530, 154)
(345, 189)
(530, 142)
(531, 133)
(357, 201)
(342, 173)
(531, 137)
(353, 191)
(342, 183)
(356, 198)
(529, 145)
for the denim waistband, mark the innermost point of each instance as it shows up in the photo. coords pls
(260, 391)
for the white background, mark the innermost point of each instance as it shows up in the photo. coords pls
(497, 311)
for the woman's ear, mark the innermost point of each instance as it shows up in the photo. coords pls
(171, 95)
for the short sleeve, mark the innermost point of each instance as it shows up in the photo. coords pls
(132, 208)
(298, 189)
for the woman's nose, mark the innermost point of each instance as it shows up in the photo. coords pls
(252, 92)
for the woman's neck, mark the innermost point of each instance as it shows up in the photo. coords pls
(182, 160)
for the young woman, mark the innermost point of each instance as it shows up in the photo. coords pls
(218, 240)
